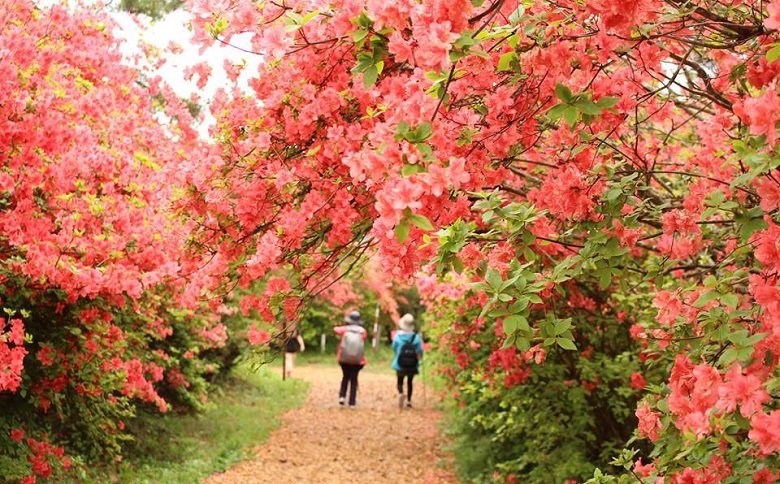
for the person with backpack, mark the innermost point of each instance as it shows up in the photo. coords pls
(407, 346)
(293, 344)
(351, 355)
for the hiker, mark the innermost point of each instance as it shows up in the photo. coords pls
(407, 346)
(351, 355)
(293, 345)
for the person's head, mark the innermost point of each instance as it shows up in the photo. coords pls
(353, 318)
(406, 323)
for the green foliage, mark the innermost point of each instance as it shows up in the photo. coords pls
(573, 413)
(569, 416)
(155, 9)
(74, 392)
(175, 448)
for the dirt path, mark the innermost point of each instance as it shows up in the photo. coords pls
(324, 443)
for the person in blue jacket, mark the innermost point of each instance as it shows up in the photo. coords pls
(405, 363)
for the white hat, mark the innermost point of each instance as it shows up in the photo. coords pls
(406, 323)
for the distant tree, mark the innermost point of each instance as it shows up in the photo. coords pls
(155, 9)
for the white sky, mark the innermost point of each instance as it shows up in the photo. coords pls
(173, 27)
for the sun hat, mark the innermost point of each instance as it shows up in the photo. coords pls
(353, 318)
(406, 323)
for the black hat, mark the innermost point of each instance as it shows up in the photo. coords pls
(353, 318)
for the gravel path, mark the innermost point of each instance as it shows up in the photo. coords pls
(375, 443)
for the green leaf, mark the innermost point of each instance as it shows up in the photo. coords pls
(493, 278)
(522, 323)
(410, 169)
(561, 326)
(563, 93)
(566, 344)
(402, 230)
(588, 107)
(309, 17)
(370, 75)
(728, 356)
(556, 112)
(505, 61)
(509, 326)
(751, 341)
(706, 298)
(517, 16)
(421, 221)
(773, 54)
(605, 279)
(424, 131)
(571, 115)
(731, 300)
(607, 102)
(522, 344)
(750, 227)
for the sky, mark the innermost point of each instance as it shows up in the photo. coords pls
(173, 27)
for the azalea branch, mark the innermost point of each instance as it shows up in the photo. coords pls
(354, 250)
(242, 49)
(516, 191)
(494, 8)
(707, 177)
(560, 242)
(444, 94)
(711, 92)
(742, 31)
(690, 267)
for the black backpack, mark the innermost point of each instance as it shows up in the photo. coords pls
(407, 357)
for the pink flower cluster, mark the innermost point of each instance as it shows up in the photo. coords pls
(12, 355)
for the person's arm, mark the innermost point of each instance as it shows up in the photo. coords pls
(419, 346)
(340, 330)
(300, 342)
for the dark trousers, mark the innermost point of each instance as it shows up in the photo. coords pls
(410, 376)
(349, 377)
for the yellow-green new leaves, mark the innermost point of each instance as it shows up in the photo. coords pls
(294, 21)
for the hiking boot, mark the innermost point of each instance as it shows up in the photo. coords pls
(341, 401)
(352, 407)
(408, 404)
(401, 400)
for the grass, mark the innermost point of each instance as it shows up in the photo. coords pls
(188, 448)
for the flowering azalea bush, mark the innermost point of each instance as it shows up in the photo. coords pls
(586, 193)
(602, 175)
(100, 298)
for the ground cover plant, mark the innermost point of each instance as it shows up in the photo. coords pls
(170, 448)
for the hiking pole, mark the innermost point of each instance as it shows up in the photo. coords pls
(375, 343)
(422, 367)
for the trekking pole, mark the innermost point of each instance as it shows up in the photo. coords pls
(375, 343)
(422, 367)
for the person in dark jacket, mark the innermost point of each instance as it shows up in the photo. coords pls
(293, 345)
(406, 333)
